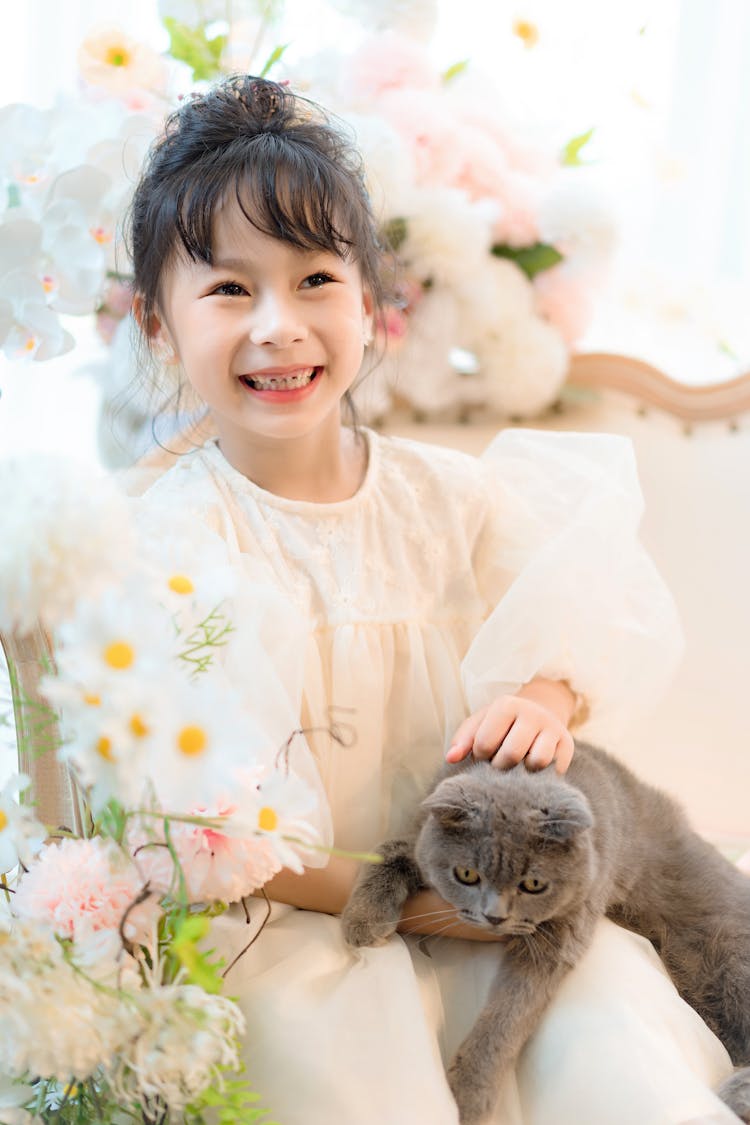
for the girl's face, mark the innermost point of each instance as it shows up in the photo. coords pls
(270, 336)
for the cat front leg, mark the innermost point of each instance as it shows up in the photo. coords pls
(374, 907)
(735, 1092)
(529, 975)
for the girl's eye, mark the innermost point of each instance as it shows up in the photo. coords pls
(316, 280)
(469, 876)
(230, 289)
(532, 886)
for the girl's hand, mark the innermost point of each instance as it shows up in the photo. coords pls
(531, 725)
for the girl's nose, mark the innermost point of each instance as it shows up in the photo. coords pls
(276, 320)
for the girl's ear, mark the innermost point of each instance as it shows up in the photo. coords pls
(155, 331)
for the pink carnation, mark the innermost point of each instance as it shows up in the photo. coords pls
(386, 62)
(78, 886)
(216, 867)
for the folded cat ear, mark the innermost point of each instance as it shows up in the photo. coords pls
(450, 804)
(564, 817)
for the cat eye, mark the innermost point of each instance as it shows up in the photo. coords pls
(532, 886)
(469, 876)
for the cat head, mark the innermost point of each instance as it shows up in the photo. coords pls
(508, 849)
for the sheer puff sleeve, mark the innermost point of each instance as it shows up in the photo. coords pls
(575, 595)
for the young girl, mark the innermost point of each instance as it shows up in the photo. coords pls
(452, 605)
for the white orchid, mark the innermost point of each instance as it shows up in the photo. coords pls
(21, 834)
(29, 329)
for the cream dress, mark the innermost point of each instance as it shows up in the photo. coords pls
(443, 582)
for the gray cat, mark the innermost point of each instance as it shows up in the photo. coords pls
(541, 858)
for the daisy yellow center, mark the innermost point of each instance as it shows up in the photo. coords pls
(180, 584)
(91, 699)
(48, 283)
(119, 655)
(117, 56)
(30, 344)
(527, 32)
(267, 819)
(192, 741)
(104, 749)
(71, 1090)
(3, 820)
(137, 726)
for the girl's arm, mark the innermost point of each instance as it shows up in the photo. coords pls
(327, 889)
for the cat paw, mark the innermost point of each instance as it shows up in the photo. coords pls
(364, 931)
(473, 1098)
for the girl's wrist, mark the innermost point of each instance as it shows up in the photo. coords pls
(559, 698)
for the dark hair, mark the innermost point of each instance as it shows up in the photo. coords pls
(293, 173)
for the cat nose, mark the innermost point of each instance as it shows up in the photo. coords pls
(495, 919)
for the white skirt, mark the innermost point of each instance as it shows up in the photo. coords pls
(337, 1038)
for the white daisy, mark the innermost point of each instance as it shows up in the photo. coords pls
(200, 739)
(21, 834)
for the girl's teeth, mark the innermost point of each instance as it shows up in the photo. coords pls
(285, 383)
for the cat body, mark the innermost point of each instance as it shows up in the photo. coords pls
(539, 859)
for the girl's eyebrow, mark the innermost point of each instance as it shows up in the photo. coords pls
(229, 263)
(243, 263)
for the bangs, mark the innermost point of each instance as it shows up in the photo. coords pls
(285, 190)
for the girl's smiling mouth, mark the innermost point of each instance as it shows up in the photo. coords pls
(281, 383)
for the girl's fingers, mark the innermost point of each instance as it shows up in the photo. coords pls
(565, 750)
(515, 746)
(543, 749)
(500, 718)
(463, 740)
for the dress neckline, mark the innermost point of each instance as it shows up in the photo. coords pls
(239, 483)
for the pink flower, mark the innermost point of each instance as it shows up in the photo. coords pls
(386, 62)
(426, 124)
(216, 867)
(79, 886)
(564, 298)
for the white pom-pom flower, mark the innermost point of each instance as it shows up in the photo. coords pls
(189, 1036)
(56, 1023)
(524, 367)
(66, 533)
(576, 218)
(447, 237)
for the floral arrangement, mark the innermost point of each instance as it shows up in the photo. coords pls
(498, 243)
(112, 997)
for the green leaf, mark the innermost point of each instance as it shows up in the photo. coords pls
(112, 821)
(192, 46)
(14, 196)
(189, 930)
(531, 259)
(273, 58)
(454, 70)
(394, 233)
(571, 154)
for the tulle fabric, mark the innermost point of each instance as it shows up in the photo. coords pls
(444, 581)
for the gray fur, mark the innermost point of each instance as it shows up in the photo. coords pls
(600, 842)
